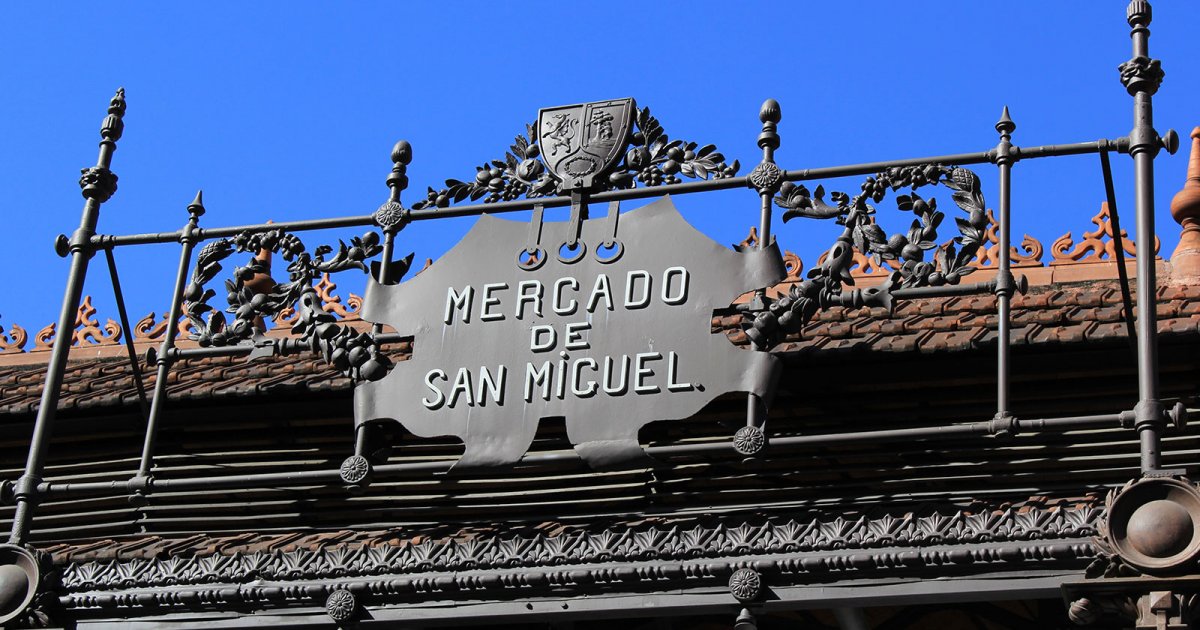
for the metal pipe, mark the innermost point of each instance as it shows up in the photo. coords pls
(107, 240)
(1004, 279)
(98, 184)
(1141, 77)
(134, 366)
(188, 243)
(1119, 249)
(974, 429)
(1020, 284)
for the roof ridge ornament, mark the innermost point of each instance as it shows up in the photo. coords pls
(1097, 245)
(1185, 208)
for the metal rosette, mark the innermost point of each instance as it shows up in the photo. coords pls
(341, 605)
(19, 577)
(745, 585)
(1154, 524)
(355, 470)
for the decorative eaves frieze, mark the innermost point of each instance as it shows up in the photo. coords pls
(859, 535)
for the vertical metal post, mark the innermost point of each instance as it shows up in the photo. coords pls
(1005, 287)
(98, 184)
(1141, 77)
(391, 217)
(189, 236)
(766, 178)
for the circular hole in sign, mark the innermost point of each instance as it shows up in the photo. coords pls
(568, 254)
(609, 252)
(529, 261)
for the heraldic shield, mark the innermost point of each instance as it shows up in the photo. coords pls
(582, 141)
(609, 344)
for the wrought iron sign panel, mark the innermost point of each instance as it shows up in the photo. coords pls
(608, 338)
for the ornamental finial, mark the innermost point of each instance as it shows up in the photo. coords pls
(770, 112)
(770, 115)
(397, 180)
(1138, 12)
(402, 152)
(196, 208)
(112, 127)
(1006, 125)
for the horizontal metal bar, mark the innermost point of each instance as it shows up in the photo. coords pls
(945, 291)
(102, 241)
(310, 477)
(282, 346)
(949, 290)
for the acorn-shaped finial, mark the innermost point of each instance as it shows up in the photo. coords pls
(770, 112)
(402, 152)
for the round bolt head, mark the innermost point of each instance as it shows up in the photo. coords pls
(1170, 141)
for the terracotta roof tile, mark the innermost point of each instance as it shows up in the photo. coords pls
(1057, 314)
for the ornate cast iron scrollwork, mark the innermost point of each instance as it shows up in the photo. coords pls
(254, 297)
(824, 286)
(652, 159)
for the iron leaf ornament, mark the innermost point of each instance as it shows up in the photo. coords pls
(254, 297)
(825, 284)
(650, 158)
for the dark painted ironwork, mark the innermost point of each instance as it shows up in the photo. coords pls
(134, 364)
(98, 184)
(801, 550)
(652, 159)
(1005, 286)
(1141, 77)
(1119, 249)
(825, 286)
(188, 240)
(612, 151)
(766, 178)
(1081, 148)
(986, 429)
(629, 340)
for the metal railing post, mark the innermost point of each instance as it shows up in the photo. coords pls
(1005, 286)
(1142, 76)
(98, 184)
(188, 239)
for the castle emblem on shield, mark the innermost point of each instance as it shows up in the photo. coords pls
(582, 141)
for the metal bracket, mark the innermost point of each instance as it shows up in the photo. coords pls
(533, 256)
(611, 243)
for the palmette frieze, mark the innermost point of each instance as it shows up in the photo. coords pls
(668, 543)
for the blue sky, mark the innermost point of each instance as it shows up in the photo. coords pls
(288, 111)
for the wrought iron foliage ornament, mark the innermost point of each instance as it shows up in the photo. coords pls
(824, 286)
(254, 297)
(651, 158)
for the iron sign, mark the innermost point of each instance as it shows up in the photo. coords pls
(610, 339)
